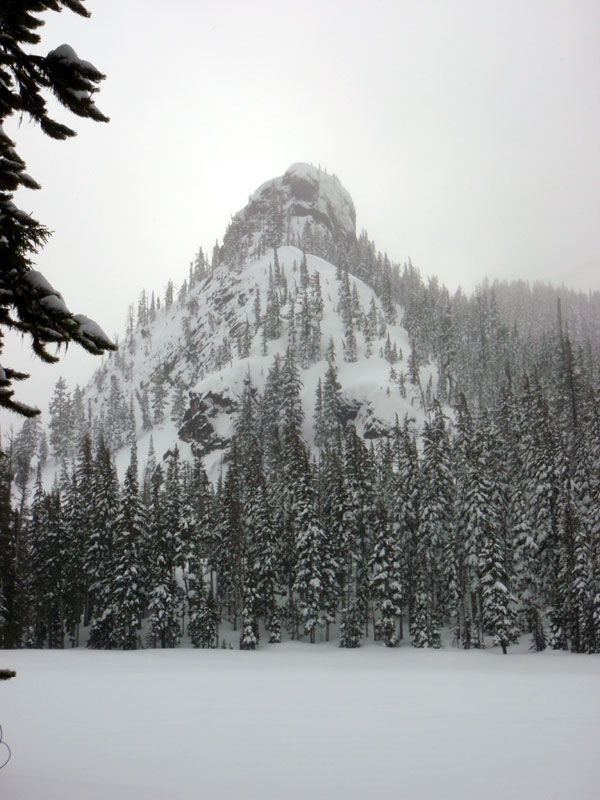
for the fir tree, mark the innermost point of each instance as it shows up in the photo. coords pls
(178, 406)
(370, 329)
(23, 451)
(116, 428)
(28, 302)
(497, 602)
(43, 449)
(127, 587)
(320, 433)
(60, 410)
(316, 297)
(257, 310)
(331, 406)
(310, 550)
(76, 532)
(350, 625)
(304, 276)
(434, 531)
(144, 404)
(159, 395)
(51, 556)
(385, 580)
(100, 556)
(290, 412)
(359, 523)
(273, 322)
(270, 414)
(527, 570)
(13, 553)
(229, 552)
(82, 519)
(163, 591)
(203, 622)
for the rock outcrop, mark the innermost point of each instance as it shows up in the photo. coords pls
(304, 193)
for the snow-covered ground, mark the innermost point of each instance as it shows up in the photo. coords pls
(300, 721)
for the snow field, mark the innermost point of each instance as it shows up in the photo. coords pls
(300, 721)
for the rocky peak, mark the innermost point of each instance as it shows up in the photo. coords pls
(304, 193)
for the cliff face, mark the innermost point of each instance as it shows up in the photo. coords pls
(303, 194)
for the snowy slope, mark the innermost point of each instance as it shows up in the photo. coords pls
(222, 304)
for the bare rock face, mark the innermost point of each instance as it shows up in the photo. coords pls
(198, 424)
(303, 194)
(372, 426)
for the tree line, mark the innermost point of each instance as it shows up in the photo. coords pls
(487, 526)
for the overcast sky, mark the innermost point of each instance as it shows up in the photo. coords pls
(466, 132)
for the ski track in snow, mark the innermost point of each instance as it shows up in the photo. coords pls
(300, 721)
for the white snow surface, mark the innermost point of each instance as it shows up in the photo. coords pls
(40, 284)
(55, 304)
(300, 721)
(90, 329)
(66, 53)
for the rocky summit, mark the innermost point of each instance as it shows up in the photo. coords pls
(304, 193)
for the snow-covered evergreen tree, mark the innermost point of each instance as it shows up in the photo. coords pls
(128, 582)
(385, 580)
(60, 410)
(435, 530)
(168, 553)
(100, 557)
(159, 395)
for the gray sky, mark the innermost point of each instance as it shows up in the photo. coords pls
(466, 132)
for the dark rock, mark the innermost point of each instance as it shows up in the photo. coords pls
(197, 429)
(348, 411)
(374, 428)
(303, 191)
(302, 187)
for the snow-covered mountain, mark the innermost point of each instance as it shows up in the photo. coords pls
(292, 332)
(230, 319)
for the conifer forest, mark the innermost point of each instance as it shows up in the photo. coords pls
(478, 516)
